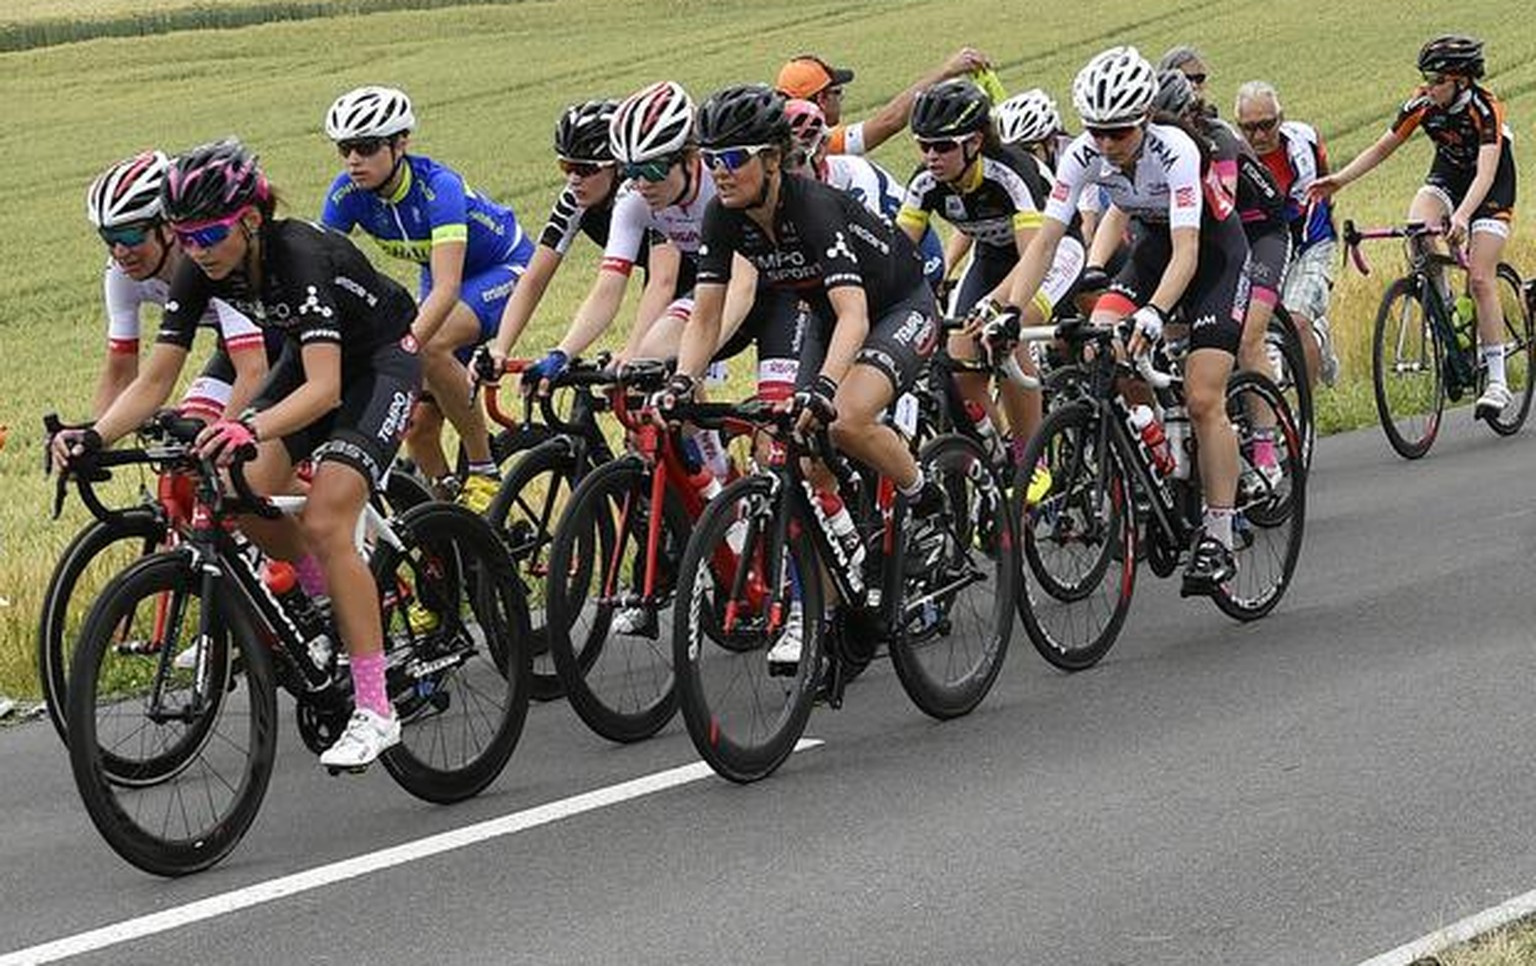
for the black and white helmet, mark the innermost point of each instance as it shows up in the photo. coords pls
(1175, 94)
(369, 112)
(582, 132)
(128, 192)
(1027, 118)
(652, 124)
(1116, 87)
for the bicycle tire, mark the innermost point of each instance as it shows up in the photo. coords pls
(1295, 380)
(1519, 354)
(938, 668)
(601, 681)
(475, 660)
(115, 806)
(1425, 398)
(54, 641)
(1073, 632)
(1270, 521)
(743, 736)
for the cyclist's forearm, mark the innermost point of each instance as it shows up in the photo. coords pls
(116, 375)
(849, 332)
(702, 332)
(1477, 191)
(434, 312)
(1107, 237)
(312, 400)
(595, 315)
(144, 395)
(526, 296)
(1180, 271)
(1366, 160)
(250, 372)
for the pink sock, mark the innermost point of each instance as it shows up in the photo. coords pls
(1016, 447)
(311, 577)
(368, 683)
(1264, 451)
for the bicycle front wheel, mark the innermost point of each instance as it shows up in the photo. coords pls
(455, 631)
(1519, 354)
(607, 634)
(1407, 371)
(959, 608)
(743, 714)
(171, 764)
(1079, 539)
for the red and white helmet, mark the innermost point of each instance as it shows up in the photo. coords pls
(652, 124)
(1116, 87)
(1027, 118)
(807, 125)
(127, 192)
(369, 112)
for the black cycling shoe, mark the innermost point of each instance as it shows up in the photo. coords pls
(1210, 566)
(925, 517)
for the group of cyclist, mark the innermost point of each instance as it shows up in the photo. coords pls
(754, 221)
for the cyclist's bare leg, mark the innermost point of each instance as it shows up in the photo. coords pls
(272, 472)
(1311, 352)
(1253, 356)
(329, 522)
(1429, 207)
(446, 377)
(1205, 394)
(1485, 249)
(858, 431)
(424, 439)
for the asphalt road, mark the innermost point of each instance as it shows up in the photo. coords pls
(1316, 788)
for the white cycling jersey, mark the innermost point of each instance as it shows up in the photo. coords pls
(634, 220)
(126, 298)
(866, 181)
(1165, 186)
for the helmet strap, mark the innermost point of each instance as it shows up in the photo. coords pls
(687, 183)
(162, 235)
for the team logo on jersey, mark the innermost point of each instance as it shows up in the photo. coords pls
(1061, 191)
(954, 206)
(409, 343)
(1184, 197)
(312, 304)
(840, 247)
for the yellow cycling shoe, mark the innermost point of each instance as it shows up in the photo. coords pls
(420, 619)
(1039, 485)
(478, 493)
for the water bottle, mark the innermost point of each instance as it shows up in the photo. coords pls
(844, 535)
(984, 428)
(1464, 320)
(282, 580)
(1151, 432)
(700, 476)
(1176, 429)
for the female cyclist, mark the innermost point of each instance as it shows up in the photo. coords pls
(1188, 249)
(341, 393)
(1471, 183)
(471, 252)
(1031, 122)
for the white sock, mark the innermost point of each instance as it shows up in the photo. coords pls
(917, 486)
(1493, 358)
(1218, 524)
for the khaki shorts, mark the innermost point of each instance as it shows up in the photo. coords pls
(1309, 281)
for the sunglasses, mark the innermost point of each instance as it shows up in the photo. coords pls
(937, 145)
(1196, 79)
(1434, 80)
(206, 234)
(1117, 133)
(731, 159)
(1261, 126)
(365, 147)
(652, 171)
(129, 236)
(581, 169)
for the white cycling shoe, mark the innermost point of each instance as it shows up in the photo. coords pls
(1493, 401)
(784, 656)
(368, 736)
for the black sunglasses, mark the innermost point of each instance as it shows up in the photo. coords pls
(129, 236)
(582, 169)
(1119, 132)
(365, 147)
(1196, 78)
(1263, 125)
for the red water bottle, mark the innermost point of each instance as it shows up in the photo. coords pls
(1151, 432)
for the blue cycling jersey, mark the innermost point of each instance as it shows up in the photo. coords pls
(432, 205)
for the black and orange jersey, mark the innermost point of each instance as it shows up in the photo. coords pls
(1473, 119)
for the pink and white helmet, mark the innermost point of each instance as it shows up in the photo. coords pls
(807, 125)
(652, 124)
(127, 192)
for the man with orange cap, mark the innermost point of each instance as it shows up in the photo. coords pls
(810, 78)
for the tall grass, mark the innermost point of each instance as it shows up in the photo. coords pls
(488, 82)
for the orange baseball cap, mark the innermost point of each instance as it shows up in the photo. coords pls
(808, 75)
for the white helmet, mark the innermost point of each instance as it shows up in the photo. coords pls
(1116, 87)
(369, 112)
(654, 123)
(1027, 118)
(127, 192)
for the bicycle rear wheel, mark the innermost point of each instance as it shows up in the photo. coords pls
(1290, 377)
(1079, 541)
(1407, 371)
(171, 764)
(455, 632)
(959, 609)
(743, 720)
(532, 499)
(96, 554)
(1271, 503)
(619, 680)
(1519, 354)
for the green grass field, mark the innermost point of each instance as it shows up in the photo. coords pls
(488, 81)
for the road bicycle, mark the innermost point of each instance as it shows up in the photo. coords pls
(1424, 351)
(1110, 506)
(172, 757)
(938, 593)
(116, 537)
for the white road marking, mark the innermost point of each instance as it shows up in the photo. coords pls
(1458, 932)
(289, 885)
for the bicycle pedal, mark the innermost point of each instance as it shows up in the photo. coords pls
(335, 770)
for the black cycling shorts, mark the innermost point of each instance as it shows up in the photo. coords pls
(1269, 255)
(1453, 182)
(899, 343)
(364, 432)
(988, 266)
(1216, 301)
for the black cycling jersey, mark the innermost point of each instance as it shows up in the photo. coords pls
(1001, 194)
(824, 238)
(1259, 201)
(316, 287)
